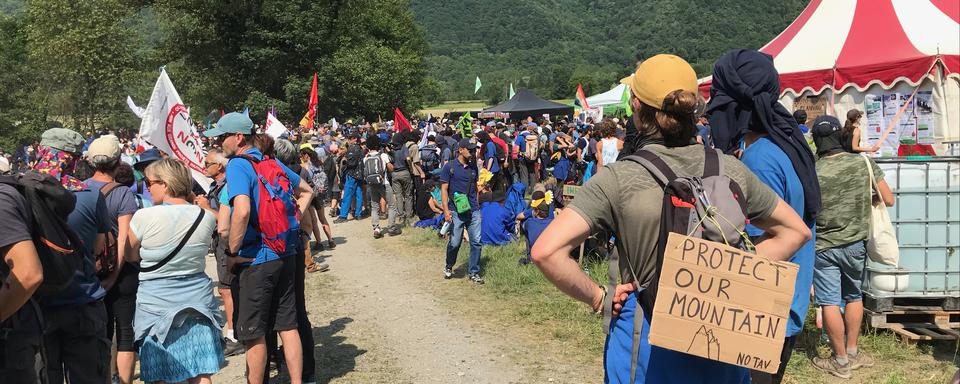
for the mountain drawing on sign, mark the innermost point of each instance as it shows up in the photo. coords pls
(705, 344)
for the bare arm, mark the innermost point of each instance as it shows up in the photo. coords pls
(551, 254)
(223, 221)
(599, 156)
(238, 222)
(446, 201)
(304, 195)
(885, 193)
(25, 277)
(123, 227)
(133, 248)
(99, 243)
(856, 143)
(785, 233)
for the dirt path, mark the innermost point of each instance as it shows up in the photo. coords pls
(377, 317)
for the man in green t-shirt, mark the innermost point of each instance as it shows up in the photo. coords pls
(842, 228)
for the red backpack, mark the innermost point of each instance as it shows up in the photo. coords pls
(275, 204)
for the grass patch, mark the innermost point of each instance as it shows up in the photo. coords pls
(524, 294)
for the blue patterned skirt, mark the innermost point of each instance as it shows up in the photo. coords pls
(191, 349)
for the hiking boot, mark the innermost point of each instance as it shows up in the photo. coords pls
(475, 277)
(334, 212)
(861, 360)
(331, 244)
(232, 348)
(447, 273)
(383, 216)
(340, 220)
(831, 366)
(317, 247)
(377, 233)
(394, 230)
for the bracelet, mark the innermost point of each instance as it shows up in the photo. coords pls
(603, 299)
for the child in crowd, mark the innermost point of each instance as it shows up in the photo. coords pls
(498, 224)
(435, 204)
(536, 219)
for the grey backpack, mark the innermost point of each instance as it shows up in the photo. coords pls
(711, 207)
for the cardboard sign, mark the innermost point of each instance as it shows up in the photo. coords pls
(722, 303)
(570, 190)
(814, 105)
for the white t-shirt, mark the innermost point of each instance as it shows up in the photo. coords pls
(161, 228)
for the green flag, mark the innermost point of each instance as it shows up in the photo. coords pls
(625, 101)
(465, 126)
(476, 87)
(511, 91)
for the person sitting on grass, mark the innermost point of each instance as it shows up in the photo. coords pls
(535, 220)
(433, 189)
(498, 223)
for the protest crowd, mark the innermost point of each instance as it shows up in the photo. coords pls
(144, 226)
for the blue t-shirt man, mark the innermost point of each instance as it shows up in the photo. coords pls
(490, 152)
(88, 220)
(772, 166)
(242, 180)
(461, 178)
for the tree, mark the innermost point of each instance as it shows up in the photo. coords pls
(367, 54)
(21, 118)
(83, 51)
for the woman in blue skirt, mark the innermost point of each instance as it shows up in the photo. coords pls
(177, 321)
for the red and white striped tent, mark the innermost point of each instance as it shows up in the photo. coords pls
(854, 47)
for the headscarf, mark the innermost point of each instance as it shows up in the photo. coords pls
(744, 97)
(54, 162)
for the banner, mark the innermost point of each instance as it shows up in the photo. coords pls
(722, 303)
(167, 125)
(274, 127)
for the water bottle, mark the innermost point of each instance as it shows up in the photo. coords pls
(445, 228)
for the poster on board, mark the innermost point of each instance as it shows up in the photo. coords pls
(924, 112)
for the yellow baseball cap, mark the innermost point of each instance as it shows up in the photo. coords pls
(659, 76)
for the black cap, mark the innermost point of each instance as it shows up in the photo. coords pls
(468, 144)
(373, 142)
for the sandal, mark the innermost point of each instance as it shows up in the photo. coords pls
(315, 267)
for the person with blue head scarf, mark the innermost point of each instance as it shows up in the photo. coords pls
(745, 115)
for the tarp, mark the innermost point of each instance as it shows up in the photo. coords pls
(611, 97)
(526, 103)
(838, 44)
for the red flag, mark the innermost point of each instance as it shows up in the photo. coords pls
(307, 120)
(400, 123)
(581, 97)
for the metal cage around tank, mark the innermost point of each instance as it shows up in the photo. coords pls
(926, 217)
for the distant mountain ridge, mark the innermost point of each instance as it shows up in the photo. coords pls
(552, 45)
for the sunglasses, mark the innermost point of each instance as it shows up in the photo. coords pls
(151, 183)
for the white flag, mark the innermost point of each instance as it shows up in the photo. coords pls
(167, 125)
(274, 127)
(133, 107)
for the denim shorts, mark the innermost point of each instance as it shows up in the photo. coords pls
(838, 273)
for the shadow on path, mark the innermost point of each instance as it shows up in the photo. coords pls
(334, 357)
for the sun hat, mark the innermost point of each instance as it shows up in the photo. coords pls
(62, 139)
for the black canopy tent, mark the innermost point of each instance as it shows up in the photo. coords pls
(526, 103)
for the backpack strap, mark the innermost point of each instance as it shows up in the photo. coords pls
(183, 242)
(711, 163)
(108, 188)
(655, 165)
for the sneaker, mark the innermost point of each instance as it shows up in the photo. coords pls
(394, 230)
(474, 277)
(861, 360)
(317, 247)
(334, 212)
(831, 366)
(523, 261)
(447, 273)
(340, 220)
(115, 379)
(232, 348)
(322, 267)
(377, 233)
(331, 244)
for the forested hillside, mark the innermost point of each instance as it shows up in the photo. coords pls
(552, 45)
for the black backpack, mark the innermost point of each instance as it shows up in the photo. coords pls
(58, 247)
(711, 207)
(353, 160)
(400, 157)
(429, 158)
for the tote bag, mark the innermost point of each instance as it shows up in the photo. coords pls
(882, 244)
